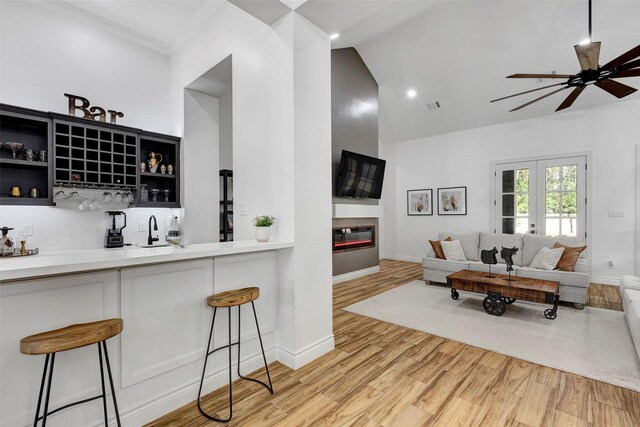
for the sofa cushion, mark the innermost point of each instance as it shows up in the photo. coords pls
(453, 251)
(628, 296)
(569, 257)
(491, 240)
(444, 265)
(496, 268)
(566, 278)
(469, 241)
(437, 247)
(532, 243)
(629, 282)
(547, 259)
(633, 319)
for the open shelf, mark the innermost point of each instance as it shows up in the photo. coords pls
(158, 175)
(24, 163)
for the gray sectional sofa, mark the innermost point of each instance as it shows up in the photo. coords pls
(630, 290)
(573, 284)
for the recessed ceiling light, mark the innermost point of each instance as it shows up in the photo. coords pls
(334, 36)
(585, 42)
(411, 93)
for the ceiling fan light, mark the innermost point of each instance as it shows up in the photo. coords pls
(588, 55)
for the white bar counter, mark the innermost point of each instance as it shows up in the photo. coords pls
(160, 293)
(90, 260)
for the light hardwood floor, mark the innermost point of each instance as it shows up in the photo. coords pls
(381, 374)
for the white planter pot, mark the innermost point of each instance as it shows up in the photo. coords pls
(263, 234)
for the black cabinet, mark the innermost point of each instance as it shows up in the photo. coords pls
(32, 129)
(163, 185)
(85, 153)
(226, 205)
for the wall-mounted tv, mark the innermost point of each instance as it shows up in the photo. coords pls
(360, 176)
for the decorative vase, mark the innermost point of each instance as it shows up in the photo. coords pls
(263, 234)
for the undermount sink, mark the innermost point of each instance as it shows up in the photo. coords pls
(164, 245)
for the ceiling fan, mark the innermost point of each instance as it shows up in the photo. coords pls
(625, 65)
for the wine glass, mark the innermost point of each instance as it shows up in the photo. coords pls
(118, 197)
(74, 195)
(107, 196)
(13, 147)
(166, 195)
(154, 194)
(60, 194)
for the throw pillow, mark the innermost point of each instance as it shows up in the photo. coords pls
(437, 247)
(569, 256)
(453, 250)
(547, 259)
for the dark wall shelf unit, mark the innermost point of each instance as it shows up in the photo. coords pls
(94, 155)
(226, 205)
(169, 149)
(33, 129)
(84, 152)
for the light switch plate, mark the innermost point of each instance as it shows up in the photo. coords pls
(616, 213)
(242, 208)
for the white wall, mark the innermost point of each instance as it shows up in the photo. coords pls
(226, 131)
(463, 158)
(262, 111)
(45, 52)
(201, 130)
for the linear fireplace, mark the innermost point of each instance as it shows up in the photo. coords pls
(358, 237)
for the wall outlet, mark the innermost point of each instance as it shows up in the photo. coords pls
(610, 263)
(616, 213)
(142, 227)
(242, 208)
(27, 229)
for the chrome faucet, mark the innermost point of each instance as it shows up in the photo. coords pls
(150, 240)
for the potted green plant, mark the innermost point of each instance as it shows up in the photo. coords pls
(263, 225)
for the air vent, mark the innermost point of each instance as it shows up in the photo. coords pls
(433, 105)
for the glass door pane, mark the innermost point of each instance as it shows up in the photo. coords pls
(563, 199)
(515, 185)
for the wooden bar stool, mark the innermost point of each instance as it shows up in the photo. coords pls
(74, 336)
(228, 299)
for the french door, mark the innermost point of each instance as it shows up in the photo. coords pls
(546, 197)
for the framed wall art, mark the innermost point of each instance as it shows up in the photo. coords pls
(420, 202)
(452, 201)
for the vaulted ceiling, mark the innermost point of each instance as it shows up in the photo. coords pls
(456, 52)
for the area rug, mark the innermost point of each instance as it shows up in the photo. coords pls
(593, 342)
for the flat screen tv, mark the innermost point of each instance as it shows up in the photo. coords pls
(360, 176)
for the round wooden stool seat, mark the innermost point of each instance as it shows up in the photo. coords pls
(73, 336)
(233, 297)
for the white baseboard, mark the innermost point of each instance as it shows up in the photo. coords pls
(355, 274)
(403, 258)
(606, 280)
(309, 353)
(181, 395)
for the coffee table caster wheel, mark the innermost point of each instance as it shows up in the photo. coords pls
(508, 300)
(454, 294)
(550, 313)
(494, 306)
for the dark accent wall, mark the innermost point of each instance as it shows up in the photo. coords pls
(354, 112)
(354, 127)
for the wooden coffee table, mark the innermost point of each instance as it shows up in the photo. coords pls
(502, 292)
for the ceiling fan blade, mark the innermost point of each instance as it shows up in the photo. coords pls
(529, 91)
(628, 73)
(572, 97)
(630, 65)
(538, 99)
(539, 76)
(588, 55)
(623, 59)
(615, 88)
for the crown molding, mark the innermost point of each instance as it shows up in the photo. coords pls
(71, 11)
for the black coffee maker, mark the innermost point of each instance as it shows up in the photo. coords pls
(114, 237)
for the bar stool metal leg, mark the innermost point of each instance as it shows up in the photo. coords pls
(104, 392)
(44, 377)
(113, 389)
(268, 387)
(46, 399)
